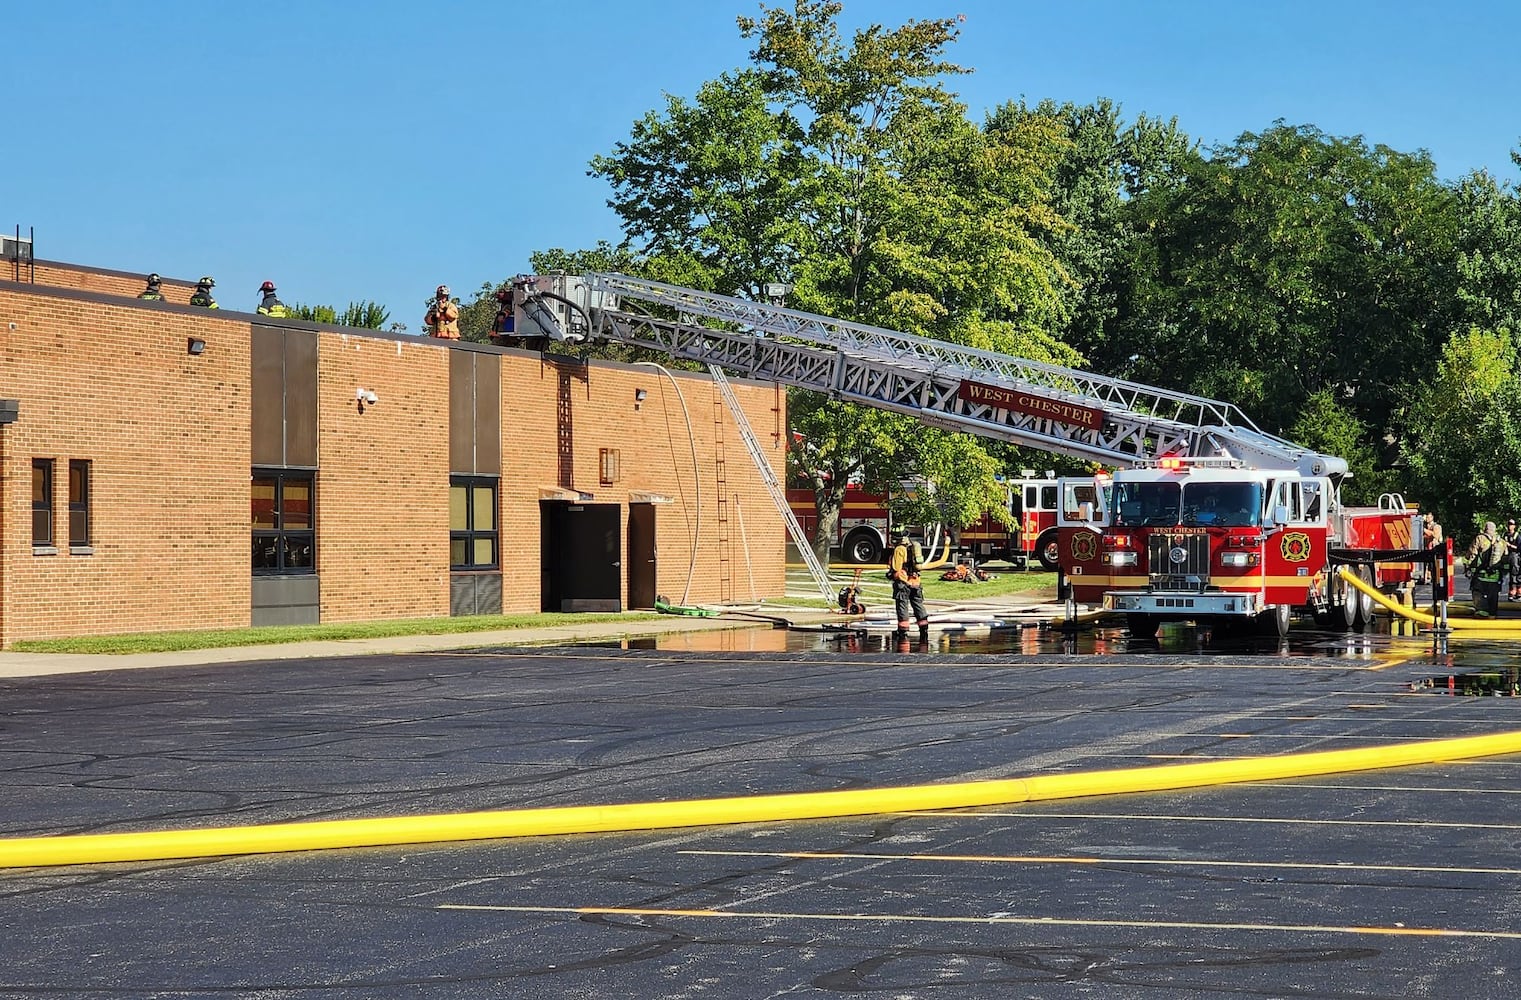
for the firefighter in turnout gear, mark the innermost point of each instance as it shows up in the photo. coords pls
(202, 295)
(268, 304)
(1486, 562)
(154, 292)
(442, 318)
(908, 588)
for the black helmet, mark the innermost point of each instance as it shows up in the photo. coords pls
(206, 282)
(154, 279)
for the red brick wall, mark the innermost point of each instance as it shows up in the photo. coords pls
(168, 438)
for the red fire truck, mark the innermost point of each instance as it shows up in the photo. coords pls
(1213, 540)
(862, 533)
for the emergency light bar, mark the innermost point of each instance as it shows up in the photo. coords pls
(1175, 463)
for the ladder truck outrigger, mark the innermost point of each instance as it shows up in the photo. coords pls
(1204, 517)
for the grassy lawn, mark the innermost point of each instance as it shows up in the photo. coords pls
(165, 642)
(1007, 582)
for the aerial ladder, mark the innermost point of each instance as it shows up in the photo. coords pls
(1066, 411)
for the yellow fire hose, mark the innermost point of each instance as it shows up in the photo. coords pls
(1421, 617)
(110, 848)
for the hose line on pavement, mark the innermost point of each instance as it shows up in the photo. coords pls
(24, 852)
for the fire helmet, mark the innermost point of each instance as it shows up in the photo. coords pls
(442, 292)
(268, 286)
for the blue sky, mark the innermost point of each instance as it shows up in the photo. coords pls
(350, 150)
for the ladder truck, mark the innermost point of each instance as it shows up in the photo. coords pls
(1204, 517)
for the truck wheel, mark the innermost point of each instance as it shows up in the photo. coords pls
(1275, 621)
(1362, 615)
(1143, 628)
(863, 547)
(1048, 551)
(1344, 604)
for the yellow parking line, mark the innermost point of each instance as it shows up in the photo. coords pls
(993, 918)
(1037, 859)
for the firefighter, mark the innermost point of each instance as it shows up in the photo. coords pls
(442, 318)
(502, 323)
(1486, 561)
(908, 588)
(153, 293)
(202, 294)
(1513, 562)
(268, 304)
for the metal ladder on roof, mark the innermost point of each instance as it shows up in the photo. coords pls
(778, 496)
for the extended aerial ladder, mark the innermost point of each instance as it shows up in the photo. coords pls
(1066, 411)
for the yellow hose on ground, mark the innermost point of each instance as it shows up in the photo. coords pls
(1421, 617)
(26, 852)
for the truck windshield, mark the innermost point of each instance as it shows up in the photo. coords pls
(1228, 505)
(1142, 504)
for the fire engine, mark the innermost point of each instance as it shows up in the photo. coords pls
(862, 533)
(1212, 540)
(1205, 517)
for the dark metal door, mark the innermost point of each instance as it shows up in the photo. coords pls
(641, 555)
(582, 564)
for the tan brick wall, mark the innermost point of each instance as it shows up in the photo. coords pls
(123, 284)
(168, 438)
(168, 441)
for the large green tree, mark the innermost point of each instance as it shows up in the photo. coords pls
(847, 170)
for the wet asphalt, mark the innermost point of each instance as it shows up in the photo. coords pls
(1398, 883)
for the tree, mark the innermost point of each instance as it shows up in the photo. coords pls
(364, 315)
(848, 171)
(1465, 441)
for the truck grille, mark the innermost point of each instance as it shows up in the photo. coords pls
(1177, 562)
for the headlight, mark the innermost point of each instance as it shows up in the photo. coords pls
(1121, 558)
(1238, 560)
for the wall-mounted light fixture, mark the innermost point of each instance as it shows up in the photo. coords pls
(640, 396)
(10, 410)
(195, 346)
(365, 397)
(777, 292)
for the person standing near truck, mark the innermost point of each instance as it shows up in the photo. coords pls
(908, 588)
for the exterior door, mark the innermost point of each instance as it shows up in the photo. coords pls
(641, 555)
(582, 565)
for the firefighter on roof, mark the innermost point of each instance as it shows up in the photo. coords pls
(268, 304)
(202, 295)
(442, 318)
(153, 293)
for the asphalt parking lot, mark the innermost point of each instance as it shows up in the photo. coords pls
(1387, 883)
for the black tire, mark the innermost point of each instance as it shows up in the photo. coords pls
(863, 547)
(1362, 611)
(1143, 628)
(1275, 621)
(1344, 603)
(1048, 551)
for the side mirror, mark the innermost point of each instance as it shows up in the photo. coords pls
(1279, 516)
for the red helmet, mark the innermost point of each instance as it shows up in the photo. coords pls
(268, 286)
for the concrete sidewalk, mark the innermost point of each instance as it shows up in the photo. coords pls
(38, 664)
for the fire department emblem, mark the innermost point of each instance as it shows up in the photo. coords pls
(1295, 546)
(1084, 546)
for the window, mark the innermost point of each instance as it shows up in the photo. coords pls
(79, 503)
(472, 523)
(42, 503)
(284, 537)
(608, 465)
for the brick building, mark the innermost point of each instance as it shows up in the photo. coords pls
(169, 467)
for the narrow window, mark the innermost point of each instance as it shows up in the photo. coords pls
(42, 503)
(472, 523)
(79, 503)
(608, 462)
(284, 532)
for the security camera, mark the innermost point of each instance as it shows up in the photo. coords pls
(371, 398)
